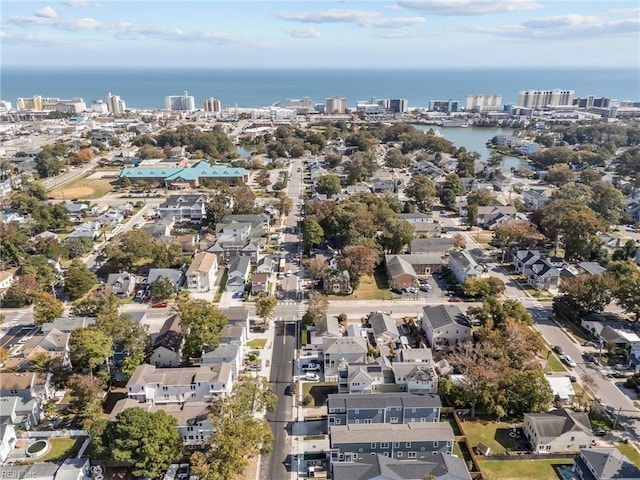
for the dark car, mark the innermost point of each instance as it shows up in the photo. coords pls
(558, 350)
(288, 390)
(599, 432)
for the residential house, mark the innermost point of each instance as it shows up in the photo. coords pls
(604, 464)
(238, 274)
(463, 266)
(234, 335)
(327, 326)
(112, 217)
(194, 427)
(27, 385)
(161, 229)
(488, 215)
(53, 343)
(384, 329)
(33, 471)
(338, 282)
(362, 378)
(75, 209)
(415, 376)
(559, 431)
(8, 439)
(378, 466)
(167, 345)
(226, 354)
(400, 272)
(99, 208)
(237, 316)
(23, 413)
(445, 325)
(122, 284)
(201, 275)
(192, 208)
(383, 185)
(90, 230)
(540, 273)
(150, 384)
(260, 283)
(348, 349)
(533, 199)
(422, 263)
(176, 277)
(6, 279)
(387, 408)
(431, 245)
(409, 441)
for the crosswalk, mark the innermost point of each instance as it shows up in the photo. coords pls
(285, 307)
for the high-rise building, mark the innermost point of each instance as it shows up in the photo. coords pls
(212, 105)
(398, 105)
(115, 105)
(545, 98)
(335, 105)
(443, 106)
(98, 106)
(180, 102)
(483, 103)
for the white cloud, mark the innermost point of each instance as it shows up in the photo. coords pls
(330, 16)
(567, 26)
(46, 12)
(468, 7)
(76, 3)
(302, 32)
(400, 34)
(362, 18)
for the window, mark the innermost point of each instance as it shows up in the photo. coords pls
(407, 445)
(355, 456)
(360, 450)
(357, 420)
(422, 449)
(386, 454)
(373, 445)
(393, 420)
(411, 455)
(357, 411)
(400, 454)
(337, 421)
(435, 444)
(396, 444)
(367, 420)
(384, 444)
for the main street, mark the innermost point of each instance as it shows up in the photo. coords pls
(278, 463)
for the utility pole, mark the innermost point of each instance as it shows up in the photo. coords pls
(615, 421)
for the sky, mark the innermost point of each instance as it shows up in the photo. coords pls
(319, 34)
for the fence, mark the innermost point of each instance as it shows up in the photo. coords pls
(532, 456)
(54, 433)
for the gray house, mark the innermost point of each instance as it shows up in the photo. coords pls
(558, 431)
(411, 441)
(445, 325)
(377, 466)
(354, 408)
(347, 349)
(384, 328)
(604, 464)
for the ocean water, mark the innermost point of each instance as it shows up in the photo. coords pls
(146, 88)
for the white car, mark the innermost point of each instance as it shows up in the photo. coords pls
(314, 377)
(569, 361)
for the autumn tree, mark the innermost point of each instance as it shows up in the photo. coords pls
(46, 307)
(560, 174)
(584, 294)
(317, 308)
(358, 260)
(265, 307)
(316, 267)
(22, 292)
(130, 248)
(515, 233)
(85, 390)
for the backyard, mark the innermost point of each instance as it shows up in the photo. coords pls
(521, 469)
(495, 435)
(318, 391)
(61, 448)
(370, 288)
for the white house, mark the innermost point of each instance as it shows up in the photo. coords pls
(463, 266)
(8, 440)
(445, 325)
(201, 274)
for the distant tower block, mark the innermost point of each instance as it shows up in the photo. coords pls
(212, 105)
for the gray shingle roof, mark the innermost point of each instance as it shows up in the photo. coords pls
(553, 424)
(391, 432)
(609, 463)
(442, 315)
(382, 400)
(398, 266)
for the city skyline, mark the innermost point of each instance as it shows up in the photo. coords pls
(269, 34)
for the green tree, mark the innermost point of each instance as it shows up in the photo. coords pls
(627, 286)
(395, 159)
(202, 323)
(608, 202)
(396, 234)
(89, 348)
(79, 280)
(101, 301)
(312, 234)
(46, 307)
(472, 215)
(329, 184)
(12, 245)
(265, 306)
(40, 363)
(317, 308)
(481, 197)
(39, 267)
(583, 294)
(130, 337)
(483, 287)
(130, 248)
(422, 191)
(515, 233)
(161, 289)
(78, 246)
(149, 442)
(560, 174)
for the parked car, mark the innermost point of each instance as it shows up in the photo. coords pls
(313, 377)
(455, 299)
(573, 378)
(289, 390)
(558, 350)
(255, 367)
(159, 305)
(599, 432)
(569, 361)
(425, 288)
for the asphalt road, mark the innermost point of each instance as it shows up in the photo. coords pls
(277, 465)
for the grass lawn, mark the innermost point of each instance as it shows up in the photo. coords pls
(83, 188)
(370, 288)
(61, 449)
(258, 343)
(493, 434)
(630, 452)
(319, 391)
(600, 420)
(520, 469)
(553, 363)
